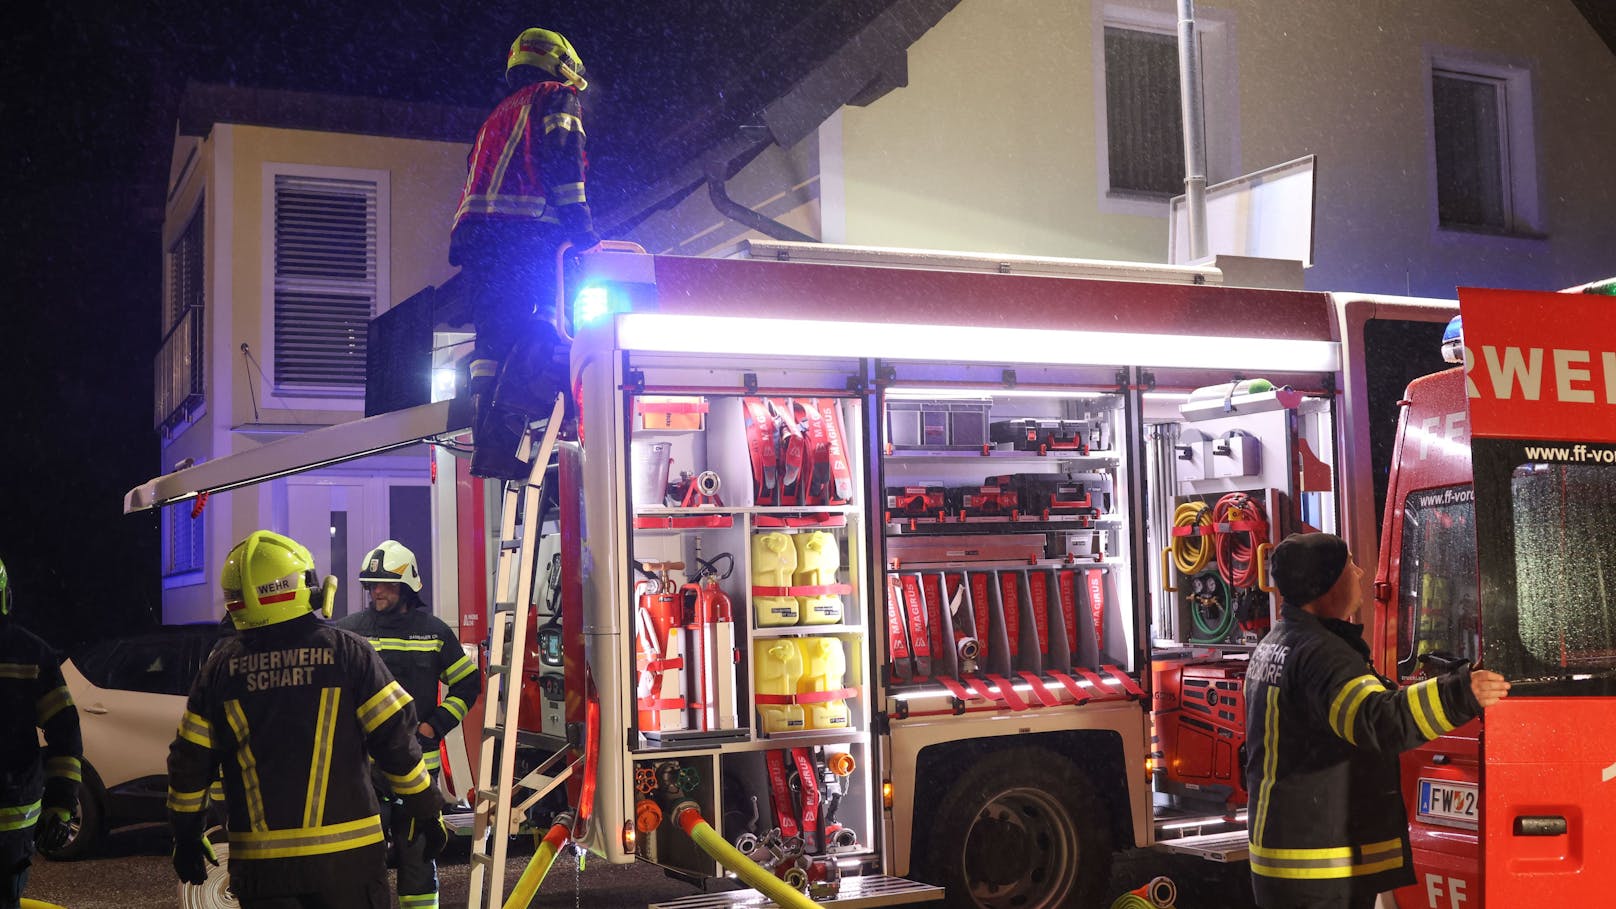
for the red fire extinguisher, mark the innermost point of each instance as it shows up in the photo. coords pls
(658, 651)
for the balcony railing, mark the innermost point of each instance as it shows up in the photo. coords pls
(179, 371)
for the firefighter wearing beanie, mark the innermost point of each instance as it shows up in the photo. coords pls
(1324, 729)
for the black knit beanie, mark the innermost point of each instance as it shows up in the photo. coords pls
(1306, 565)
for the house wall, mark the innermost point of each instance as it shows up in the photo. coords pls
(995, 144)
(992, 145)
(228, 173)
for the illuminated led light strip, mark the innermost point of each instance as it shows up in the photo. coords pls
(671, 333)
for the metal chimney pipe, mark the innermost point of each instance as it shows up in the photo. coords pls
(1189, 93)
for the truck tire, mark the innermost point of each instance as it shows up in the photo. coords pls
(1021, 829)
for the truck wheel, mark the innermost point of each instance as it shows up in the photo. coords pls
(1021, 829)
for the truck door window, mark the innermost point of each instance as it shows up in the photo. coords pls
(1437, 592)
(1564, 522)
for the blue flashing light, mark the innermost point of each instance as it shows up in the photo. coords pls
(1454, 331)
(1453, 340)
(592, 304)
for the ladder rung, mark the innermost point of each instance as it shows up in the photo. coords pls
(481, 858)
(509, 606)
(510, 544)
(488, 795)
(495, 731)
(498, 669)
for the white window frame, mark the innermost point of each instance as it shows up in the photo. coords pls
(314, 398)
(1219, 89)
(1519, 133)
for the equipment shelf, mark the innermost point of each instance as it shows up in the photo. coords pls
(1008, 455)
(784, 631)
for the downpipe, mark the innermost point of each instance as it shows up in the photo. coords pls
(688, 816)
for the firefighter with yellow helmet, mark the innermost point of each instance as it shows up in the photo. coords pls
(38, 783)
(289, 709)
(421, 651)
(523, 197)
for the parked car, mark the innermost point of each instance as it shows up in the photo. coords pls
(130, 693)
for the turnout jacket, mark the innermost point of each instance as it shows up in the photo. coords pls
(421, 651)
(528, 161)
(289, 712)
(1323, 732)
(33, 694)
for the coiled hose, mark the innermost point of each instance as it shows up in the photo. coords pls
(1192, 553)
(527, 886)
(1236, 550)
(783, 894)
(1160, 893)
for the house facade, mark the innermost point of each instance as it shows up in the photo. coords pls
(291, 221)
(1455, 142)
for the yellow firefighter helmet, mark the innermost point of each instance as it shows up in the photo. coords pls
(267, 579)
(550, 52)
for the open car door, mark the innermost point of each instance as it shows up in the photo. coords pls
(1541, 373)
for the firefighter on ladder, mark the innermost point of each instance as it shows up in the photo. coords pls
(290, 708)
(523, 197)
(1328, 826)
(38, 785)
(420, 651)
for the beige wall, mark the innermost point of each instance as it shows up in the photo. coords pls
(423, 181)
(992, 145)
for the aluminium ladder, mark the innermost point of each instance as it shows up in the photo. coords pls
(496, 818)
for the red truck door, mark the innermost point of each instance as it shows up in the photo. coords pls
(1426, 596)
(1541, 380)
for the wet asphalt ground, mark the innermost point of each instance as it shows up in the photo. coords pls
(133, 872)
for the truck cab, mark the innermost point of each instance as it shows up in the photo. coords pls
(1427, 602)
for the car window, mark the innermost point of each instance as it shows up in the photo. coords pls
(159, 665)
(94, 661)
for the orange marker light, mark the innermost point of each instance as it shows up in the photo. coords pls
(886, 793)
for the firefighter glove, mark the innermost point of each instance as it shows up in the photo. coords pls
(433, 834)
(192, 855)
(54, 829)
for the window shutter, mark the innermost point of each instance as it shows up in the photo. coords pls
(325, 281)
(1144, 131)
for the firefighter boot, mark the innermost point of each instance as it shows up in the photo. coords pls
(533, 374)
(495, 436)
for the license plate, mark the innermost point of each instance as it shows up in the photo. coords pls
(1448, 802)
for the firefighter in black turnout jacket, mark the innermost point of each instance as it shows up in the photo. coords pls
(290, 708)
(38, 785)
(1327, 822)
(420, 651)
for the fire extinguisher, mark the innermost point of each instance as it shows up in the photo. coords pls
(658, 650)
(713, 656)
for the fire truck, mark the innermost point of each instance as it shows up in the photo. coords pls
(891, 575)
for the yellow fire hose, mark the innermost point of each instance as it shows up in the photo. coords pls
(784, 895)
(537, 867)
(38, 904)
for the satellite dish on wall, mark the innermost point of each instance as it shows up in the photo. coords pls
(1266, 214)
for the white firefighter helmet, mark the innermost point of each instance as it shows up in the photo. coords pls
(391, 562)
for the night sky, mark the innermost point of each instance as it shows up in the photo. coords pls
(89, 92)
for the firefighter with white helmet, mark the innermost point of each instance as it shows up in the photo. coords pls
(290, 709)
(523, 197)
(38, 783)
(420, 651)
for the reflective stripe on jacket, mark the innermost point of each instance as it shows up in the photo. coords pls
(290, 713)
(33, 696)
(528, 160)
(421, 651)
(1323, 732)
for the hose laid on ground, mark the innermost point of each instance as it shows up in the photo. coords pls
(537, 867)
(1160, 893)
(783, 894)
